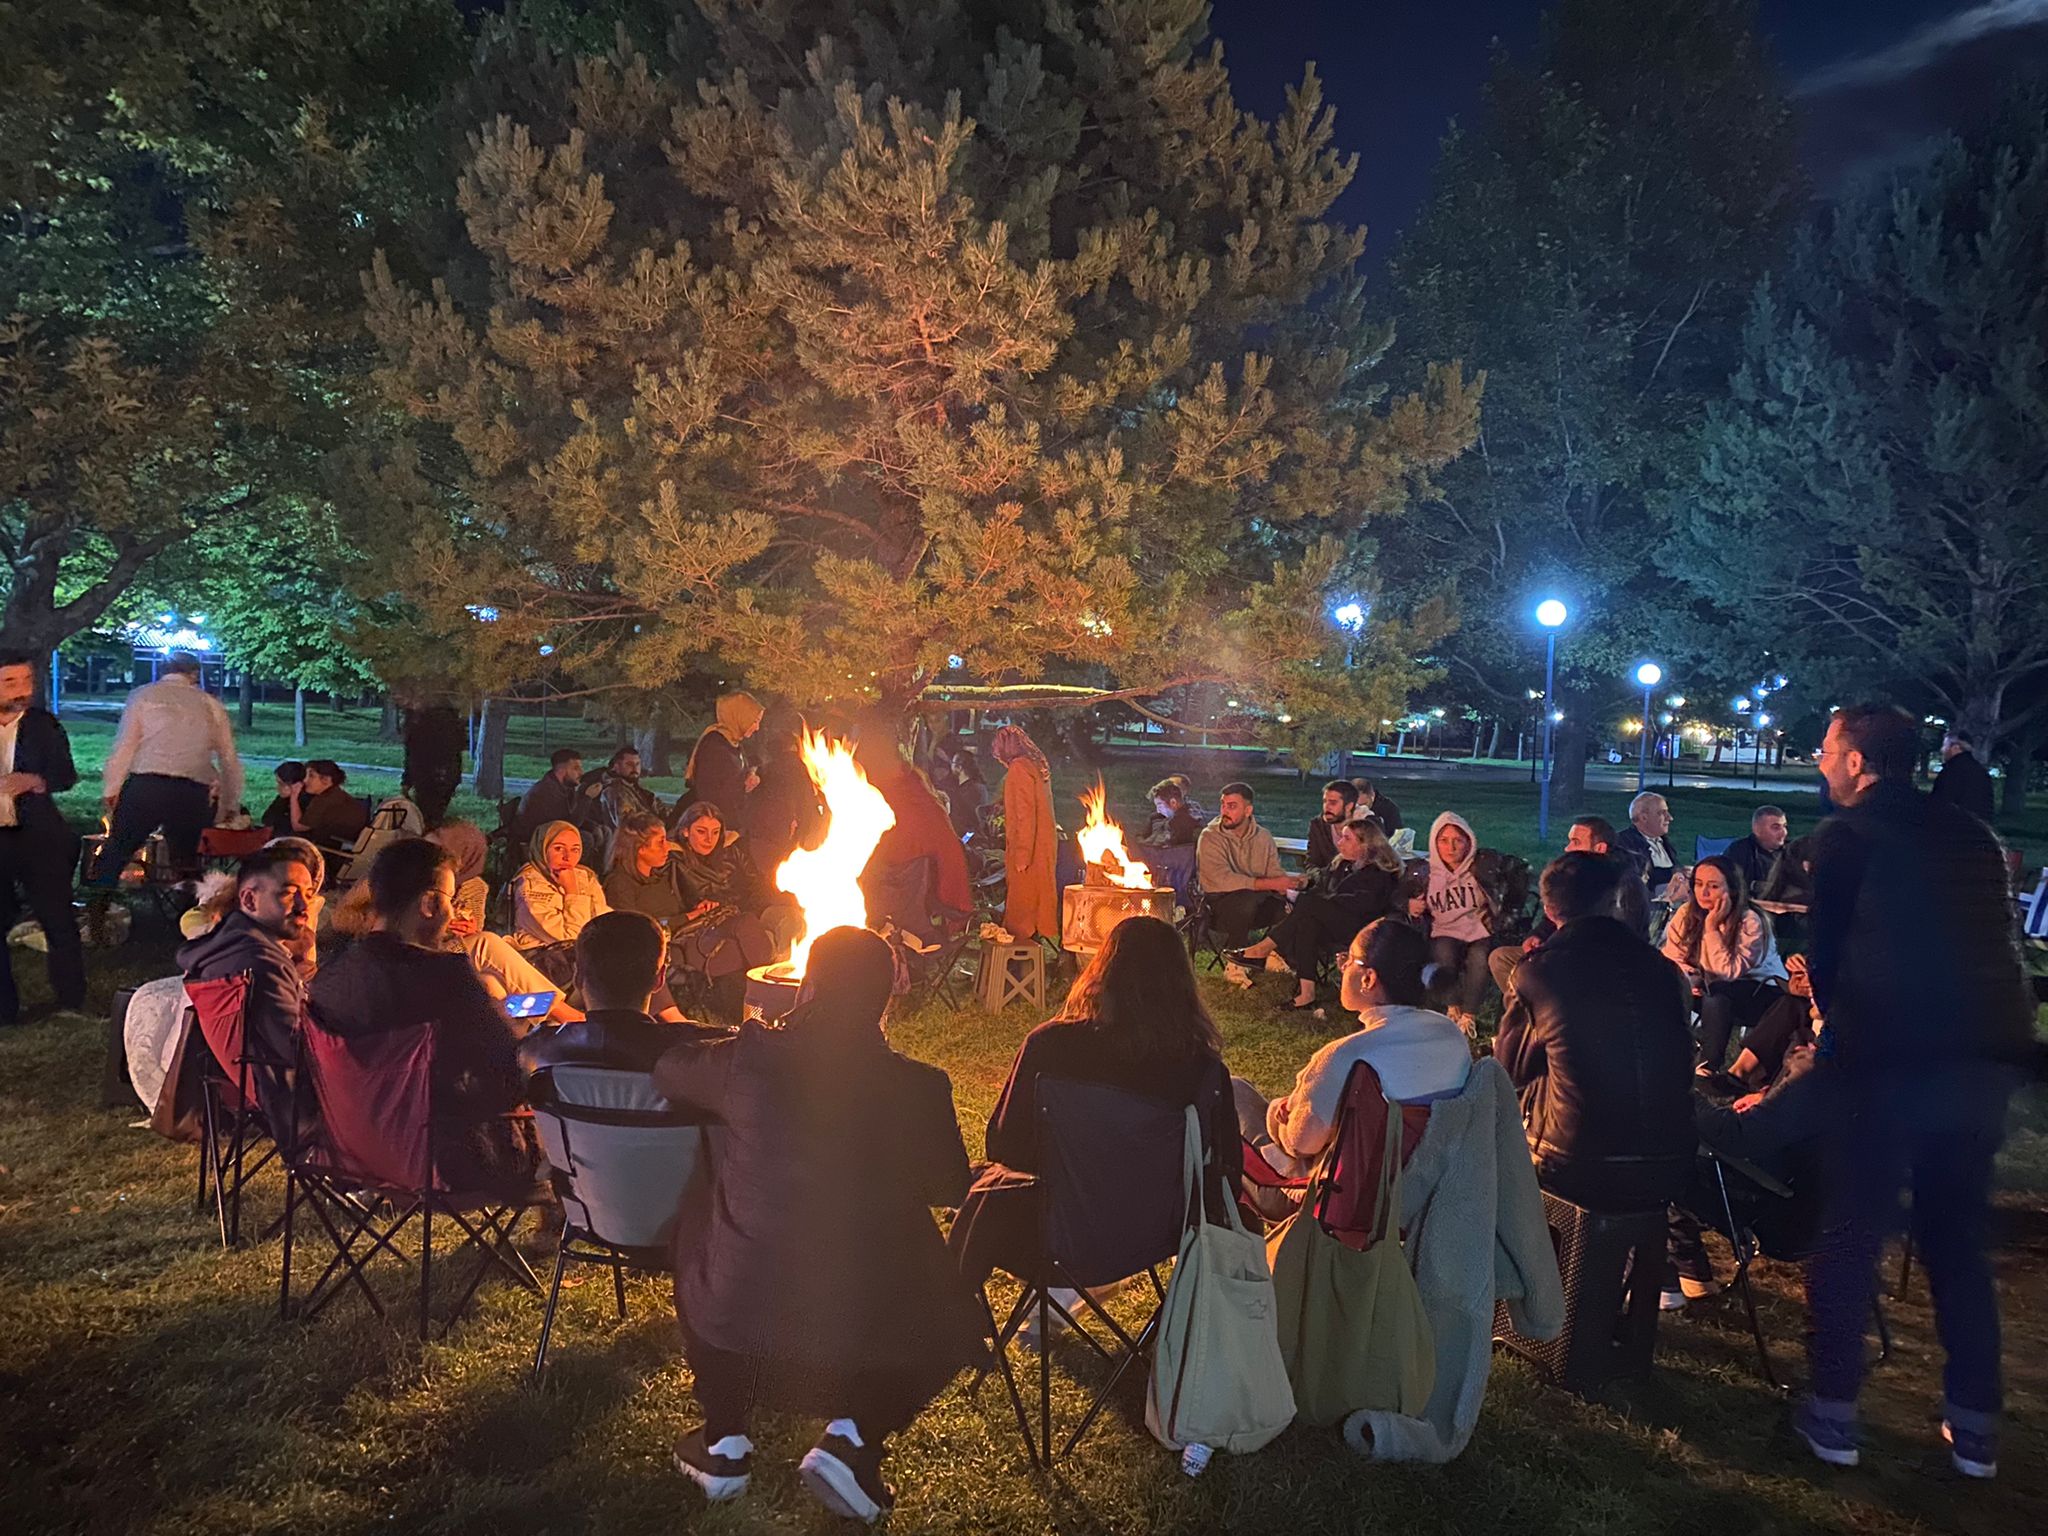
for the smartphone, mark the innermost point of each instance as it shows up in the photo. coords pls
(529, 1005)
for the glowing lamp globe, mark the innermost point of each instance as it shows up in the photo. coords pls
(1550, 613)
(1649, 674)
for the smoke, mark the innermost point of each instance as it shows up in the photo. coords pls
(1916, 52)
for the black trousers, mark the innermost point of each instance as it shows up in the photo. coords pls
(1729, 1007)
(35, 870)
(727, 1386)
(1315, 928)
(1234, 914)
(183, 808)
(433, 789)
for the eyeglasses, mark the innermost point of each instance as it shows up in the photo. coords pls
(1348, 960)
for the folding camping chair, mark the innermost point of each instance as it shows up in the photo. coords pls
(231, 1116)
(621, 1157)
(1109, 1207)
(370, 1173)
(1708, 847)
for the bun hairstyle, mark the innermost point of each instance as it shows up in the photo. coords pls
(1398, 955)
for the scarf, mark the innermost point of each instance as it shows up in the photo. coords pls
(1013, 742)
(733, 716)
(537, 847)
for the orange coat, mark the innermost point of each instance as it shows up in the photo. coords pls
(1030, 851)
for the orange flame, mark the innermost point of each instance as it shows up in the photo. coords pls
(1102, 844)
(825, 880)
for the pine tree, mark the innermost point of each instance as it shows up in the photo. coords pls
(871, 334)
(1879, 473)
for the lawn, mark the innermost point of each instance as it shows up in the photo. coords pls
(148, 1387)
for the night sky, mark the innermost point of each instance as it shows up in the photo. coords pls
(1872, 76)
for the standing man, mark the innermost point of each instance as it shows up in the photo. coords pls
(1963, 782)
(37, 849)
(434, 742)
(1239, 867)
(1915, 969)
(173, 766)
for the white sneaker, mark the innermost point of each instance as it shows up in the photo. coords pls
(1028, 1336)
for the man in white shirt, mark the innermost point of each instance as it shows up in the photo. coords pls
(173, 766)
(37, 848)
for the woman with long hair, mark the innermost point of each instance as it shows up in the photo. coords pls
(1030, 840)
(1133, 1019)
(1355, 887)
(812, 1278)
(1727, 950)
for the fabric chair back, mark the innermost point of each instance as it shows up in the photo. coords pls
(1347, 1210)
(1707, 847)
(375, 1099)
(622, 1155)
(1111, 1163)
(370, 842)
(219, 1006)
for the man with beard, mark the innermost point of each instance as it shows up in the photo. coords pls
(37, 849)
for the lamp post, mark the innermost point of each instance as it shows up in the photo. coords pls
(1677, 702)
(1551, 614)
(1649, 675)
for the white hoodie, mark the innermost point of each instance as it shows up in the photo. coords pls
(1458, 908)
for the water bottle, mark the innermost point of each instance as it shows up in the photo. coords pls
(1194, 1459)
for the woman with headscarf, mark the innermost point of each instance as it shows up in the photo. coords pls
(1030, 841)
(467, 845)
(810, 1276)
(718, 770)
(554, 895)
(922, 831)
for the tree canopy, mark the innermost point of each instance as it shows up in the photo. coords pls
(855, 337)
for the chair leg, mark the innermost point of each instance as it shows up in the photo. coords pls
(426, 1261)
(1000, 1336)
(284, 1271)
(1905, 1268)
(619, 1287)
(1044, 1376)
(547, 1317)
(1884, 1331)
(1739, 1240)
(1131, 1357)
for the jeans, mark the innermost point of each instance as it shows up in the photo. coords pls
(1466, 960)
(182, 807)
(1932, 1134)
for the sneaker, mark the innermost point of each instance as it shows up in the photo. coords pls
(1027, 1334)
(847, 1478)
(1671, 1301)
(719, 1477)
(1973, 1455)
(1832, 1440)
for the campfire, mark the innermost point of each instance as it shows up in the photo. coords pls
(825, 880)
(1114, 885)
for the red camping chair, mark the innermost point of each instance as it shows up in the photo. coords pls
(369, 1174)
(1360, 1139)
(224, 847)
(230, 1116)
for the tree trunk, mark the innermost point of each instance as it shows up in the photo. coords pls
(652, 743)
(387, 722)
(1493, 741)
(490, 750)
(1568, 771)
(2019, 765)
(298, 717)
(335, 702)
(248, 700)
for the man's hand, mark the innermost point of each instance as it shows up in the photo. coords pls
(19, 784)
(1748, 1102)
(1530, 943)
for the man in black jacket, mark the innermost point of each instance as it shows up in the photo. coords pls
(1964, 782)
(1598, 1042)
(1916, 970)
(621, 958)
(1588, 834)
(1757, 855)
(37, 849)
(1339, 796)
(554, 796)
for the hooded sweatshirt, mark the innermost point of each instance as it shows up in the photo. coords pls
(1458, 908)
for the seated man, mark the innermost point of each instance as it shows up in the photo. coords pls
(1168, 846)
(1597, 1039)
(1757, 855)
(620, 960)
(398, 976)
(276, 893)
(1379, 806)
(608, 799)
(1647, 840)
(1588, 834)
(1240, 870)
(1339, 796)
(553, 796)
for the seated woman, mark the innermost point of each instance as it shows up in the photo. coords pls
(1419, 1054)
(467, 845)
(1460, 909)
(553, 896)
(897, 887)
(1353, 889)
(811, 1278)
(1134, 1020)
(1727, 950)
(732, 918)
(325, 812)
(278, 815)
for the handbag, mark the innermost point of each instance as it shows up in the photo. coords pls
(1352, 1328)
(1217, 1377)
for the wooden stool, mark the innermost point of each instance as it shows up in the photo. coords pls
(1008, 972)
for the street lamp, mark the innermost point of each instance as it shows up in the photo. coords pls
(1649, 675)
(1551, 614)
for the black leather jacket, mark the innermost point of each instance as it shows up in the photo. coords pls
(1598, 1040)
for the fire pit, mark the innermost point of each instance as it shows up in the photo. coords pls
(771, 991)
(1115, 887)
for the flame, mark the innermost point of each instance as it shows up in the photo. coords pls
(825, 880)
(1102, 844)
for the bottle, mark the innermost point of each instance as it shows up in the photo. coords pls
(1194, 1459)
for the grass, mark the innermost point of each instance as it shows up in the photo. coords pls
(146, 1386)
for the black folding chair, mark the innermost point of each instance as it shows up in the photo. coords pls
(620, 1158)
(1109, 1207)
